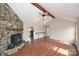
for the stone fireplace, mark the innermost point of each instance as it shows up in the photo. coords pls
(10, 25)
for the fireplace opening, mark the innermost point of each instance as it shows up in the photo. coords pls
(16, 39)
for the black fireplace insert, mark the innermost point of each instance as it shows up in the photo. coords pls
(16, 39)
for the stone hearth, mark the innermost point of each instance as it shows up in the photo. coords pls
(9, 24)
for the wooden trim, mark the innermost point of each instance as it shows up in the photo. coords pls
(11, 28)
(42, 9)
(14, 29)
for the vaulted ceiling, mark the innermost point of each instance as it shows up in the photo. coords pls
(67, 11)
(29, 13)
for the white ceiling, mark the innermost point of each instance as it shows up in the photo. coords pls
(30, 14)
(68, 11)
(26, 12)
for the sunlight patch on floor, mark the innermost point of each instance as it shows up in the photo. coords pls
(55, 48)
(63, 51)
(64, 42)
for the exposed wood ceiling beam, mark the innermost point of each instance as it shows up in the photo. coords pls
(42, 9)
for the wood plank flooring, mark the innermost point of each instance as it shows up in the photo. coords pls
(47, 47)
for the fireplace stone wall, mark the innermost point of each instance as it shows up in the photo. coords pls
(9, 24)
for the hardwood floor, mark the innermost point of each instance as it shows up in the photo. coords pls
(47, 47)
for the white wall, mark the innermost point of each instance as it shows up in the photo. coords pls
(37, 28)
(58, 29)
(62, 30)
